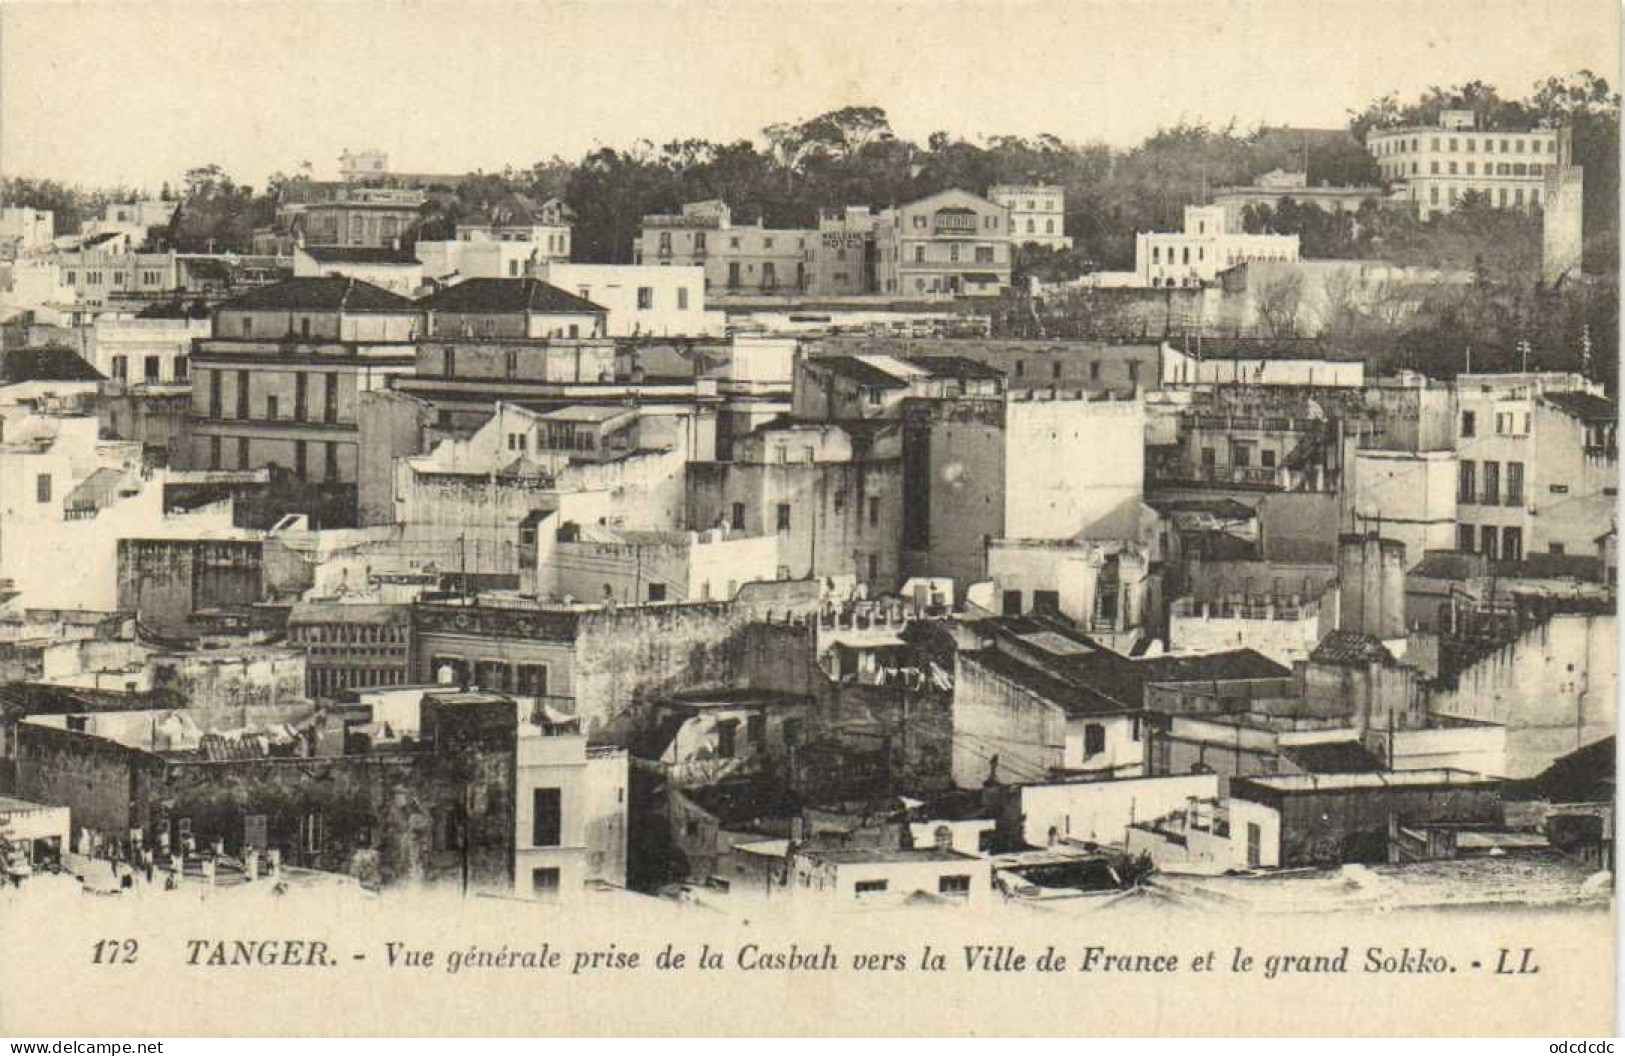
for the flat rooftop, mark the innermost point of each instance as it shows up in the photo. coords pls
(1383, 779)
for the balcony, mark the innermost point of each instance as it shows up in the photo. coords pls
(1185, 471)
(1284, 609)
(1255, 423)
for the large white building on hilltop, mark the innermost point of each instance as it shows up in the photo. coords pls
(1434, 167)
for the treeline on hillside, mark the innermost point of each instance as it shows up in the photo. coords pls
(853, 156)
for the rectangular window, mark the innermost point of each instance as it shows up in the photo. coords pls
(657, 592)
(782, 522)
(1094, 739)
(300, 468)
(1469, 423)
(738, 517)
(1464, 538)
(301, 393)
(646, 298)
(546, 817)
(242, 452)
(273, 408)
(1492, 483)
(756, 730)
(727, 738)
(180, 368)
(330, 470)
(330, 398)
(214, 452)
(532, 680)
(869, 887)
(42, 487)
(544, 884)
(1512, 544)
(1467, 482)
(121, 368)
(953, 886)
(242, 395)
(1490, 539)
(1514, 484)
(1267, 458)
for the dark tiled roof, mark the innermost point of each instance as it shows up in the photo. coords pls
(1349, 647)
(1583, 776)
(45, 363)
(1341, 757)
(40, 698)
(217, 748)
(1448, 564)
(1584, 406)
(1585, 567)
(957, 367)
(327, 294)
(361, 255)
(507, 295)
(1083, 677)
(1069, 694)
(859, 371)
(1230, 665)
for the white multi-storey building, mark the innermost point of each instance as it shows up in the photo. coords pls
(1196, 255)
(1037, 213)
(1435, 167)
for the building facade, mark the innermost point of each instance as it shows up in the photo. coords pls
(737, 258)
(351, 646)
(1037, 213)
(1538, 468)
(951, 243)
(1207, 246)
(1432, 168)
(278, 381)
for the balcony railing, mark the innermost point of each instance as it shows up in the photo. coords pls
(1218, 473)
(1285, 609)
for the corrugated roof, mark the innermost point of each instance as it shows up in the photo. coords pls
(508, 295)
(324, 294)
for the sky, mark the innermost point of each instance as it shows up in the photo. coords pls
(135, 93)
